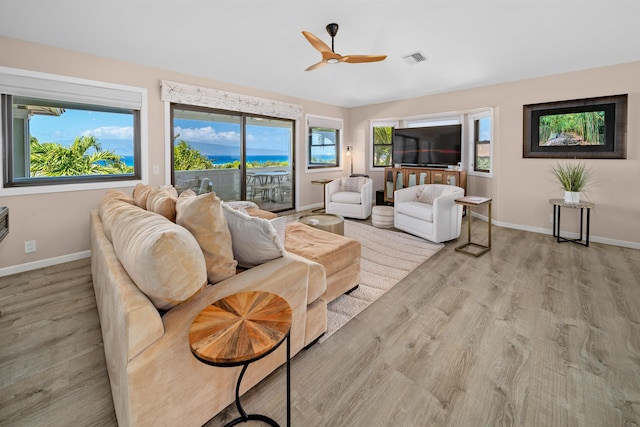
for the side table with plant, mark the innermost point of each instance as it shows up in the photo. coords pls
(573, 178)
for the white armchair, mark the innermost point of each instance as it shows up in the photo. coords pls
(429, 211)
(349, 197)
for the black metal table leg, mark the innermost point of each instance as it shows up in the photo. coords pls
(244, 417)
(584, 234)
(588, 220)
(288, 382)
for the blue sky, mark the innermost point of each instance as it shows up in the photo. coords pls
(115, 132)
(224, 138)
(485, 129)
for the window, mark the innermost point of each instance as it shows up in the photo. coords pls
(382, 137)
(481, 137)
(209, 146)
(323, 147)
(67, 131)
(324, 142)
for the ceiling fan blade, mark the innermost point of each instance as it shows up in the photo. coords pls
(316, 42)
(354, 59)
(316, 65)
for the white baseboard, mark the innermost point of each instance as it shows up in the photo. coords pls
(549, 231)
(14, 269)
(310, 207)
(21, 268)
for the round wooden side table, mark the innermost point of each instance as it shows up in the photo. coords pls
(238, 330)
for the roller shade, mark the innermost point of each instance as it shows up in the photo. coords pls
(59, 88)
(324, 122)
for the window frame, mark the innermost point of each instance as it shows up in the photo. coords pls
(473, 123)
(57, 88)
(244, 118)
(465, 118)
(324, 123)
(380, 123)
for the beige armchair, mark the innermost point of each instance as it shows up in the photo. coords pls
(350, 197)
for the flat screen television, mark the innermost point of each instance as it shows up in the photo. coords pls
(434, 146)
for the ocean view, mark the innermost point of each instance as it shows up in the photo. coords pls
(221, 160)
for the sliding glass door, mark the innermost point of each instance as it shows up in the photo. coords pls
(238, 156)
(269, 161)
(206, 152)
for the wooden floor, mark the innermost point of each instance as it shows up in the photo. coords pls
(533, 333)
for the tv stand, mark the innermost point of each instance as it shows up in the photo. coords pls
(407, 176)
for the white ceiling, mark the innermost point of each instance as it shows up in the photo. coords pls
(258, 43)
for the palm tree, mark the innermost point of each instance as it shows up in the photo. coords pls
(382, 140)
(186, 158)
(52, 159)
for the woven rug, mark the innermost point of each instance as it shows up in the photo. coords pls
(387, 257)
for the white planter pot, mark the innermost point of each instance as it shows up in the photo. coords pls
(572, 196)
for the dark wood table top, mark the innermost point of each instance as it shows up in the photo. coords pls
(240, 328)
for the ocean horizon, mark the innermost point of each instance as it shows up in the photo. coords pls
(223, 160)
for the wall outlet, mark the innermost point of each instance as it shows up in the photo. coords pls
(156, 170)
(29, 246)
(551, 218)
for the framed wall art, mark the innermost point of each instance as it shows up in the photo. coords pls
(590, 128)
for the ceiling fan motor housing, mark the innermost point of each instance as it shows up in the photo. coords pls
(332, 29)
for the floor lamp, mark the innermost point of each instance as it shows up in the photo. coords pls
(349, 148)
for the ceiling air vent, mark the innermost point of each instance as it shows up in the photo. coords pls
(414, 58)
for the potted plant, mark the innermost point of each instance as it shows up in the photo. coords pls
(573, 178)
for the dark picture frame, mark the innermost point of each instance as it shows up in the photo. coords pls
(590, 128)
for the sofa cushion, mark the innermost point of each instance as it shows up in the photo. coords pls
(162, 258)
(255, 240)
(108, 207)
(119, 194)
(163, 202)
(333, 251)
(202, 216)
(428, 193)
(423, 211)
(346, 197)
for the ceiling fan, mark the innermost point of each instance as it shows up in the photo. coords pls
(329, 56)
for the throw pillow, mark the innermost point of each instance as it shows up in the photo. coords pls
(255, 240)
(162, 258)
(260, 213)
(163, 202)
(352, 184)
(241, 204)
(202, 216)
(140, 195)
(120, 195)
(428, 193)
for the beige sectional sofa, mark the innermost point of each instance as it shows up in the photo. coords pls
(152, 277)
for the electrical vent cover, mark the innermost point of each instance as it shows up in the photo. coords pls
(414, 58)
